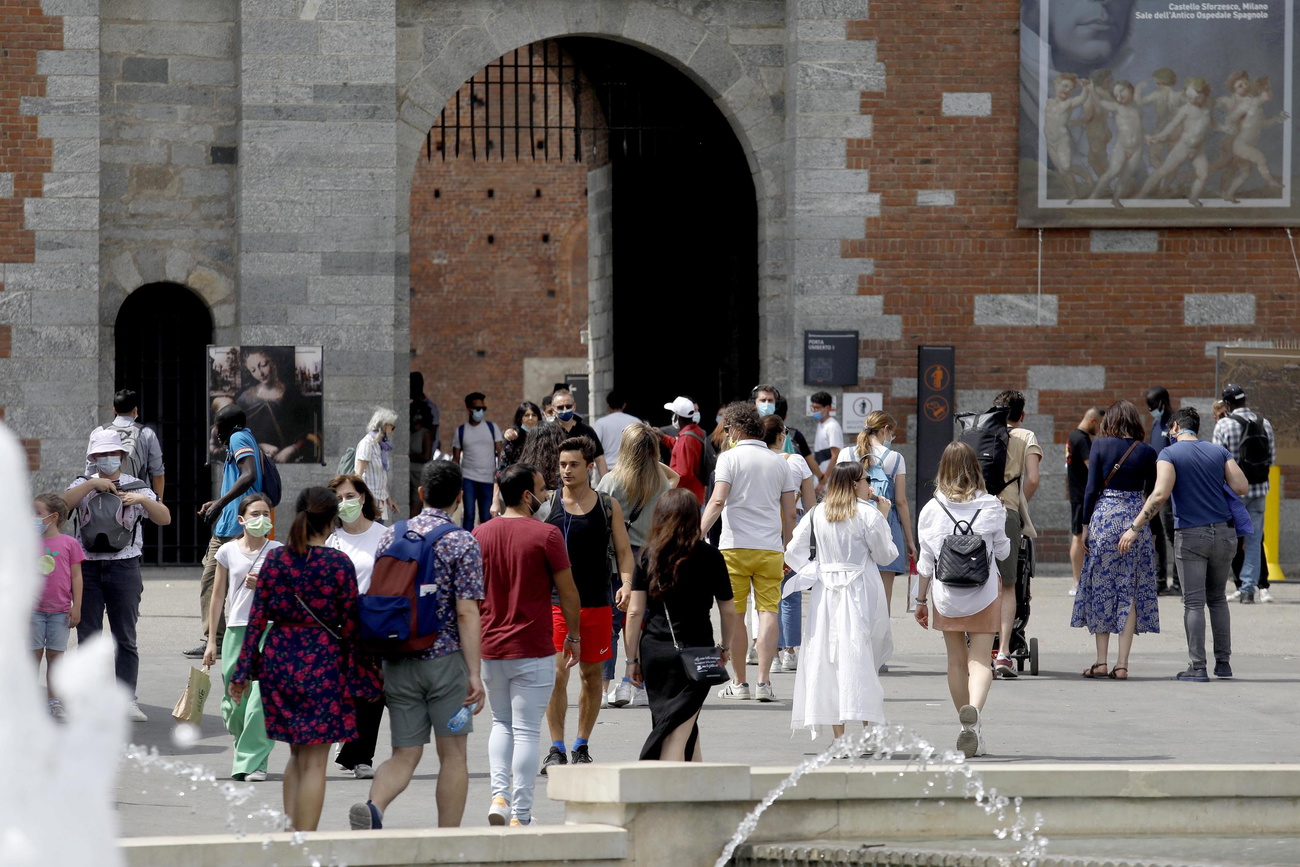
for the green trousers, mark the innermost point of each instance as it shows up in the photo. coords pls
(245, 720)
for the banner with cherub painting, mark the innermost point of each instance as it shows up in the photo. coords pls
(1137, 113)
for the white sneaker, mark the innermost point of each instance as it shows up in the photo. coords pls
(789, 660)
(751, 658)
(257, 776)
(499, 812)
(604, 700)
(1074, 591)
(1235, 595)
(134, 713)
(639, 698)
(763, 692)
(1264, 595)
(621, 694)
(735, 691)
(968, 739)
(363, 772)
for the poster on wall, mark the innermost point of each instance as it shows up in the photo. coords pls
(280, 391)
(1138, 113)
(1271, 379)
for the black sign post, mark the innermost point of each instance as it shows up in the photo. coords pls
(935, 401)
(830, 358)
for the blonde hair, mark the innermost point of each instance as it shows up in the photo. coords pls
(841, 501)
(637, 472)
(874, 426)
(959, 478)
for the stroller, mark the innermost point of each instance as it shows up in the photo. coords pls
(1020, 648)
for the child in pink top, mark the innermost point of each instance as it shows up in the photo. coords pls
(59, 608)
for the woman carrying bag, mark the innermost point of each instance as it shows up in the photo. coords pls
(848, 636)
(678, 578)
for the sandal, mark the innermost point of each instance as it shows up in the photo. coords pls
(1115, 673)
(1091, 671)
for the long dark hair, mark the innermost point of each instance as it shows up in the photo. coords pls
(523, 408)
(317, 508)
(675, 528)
(542, 450)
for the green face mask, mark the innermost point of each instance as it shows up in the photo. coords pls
(259, 526)
(349, 511)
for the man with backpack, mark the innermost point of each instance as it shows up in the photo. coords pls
(111, 506)
(476, 447)
(426, 691)
(241, 474)
(1249, 439)
(693, 456)
(144, 458)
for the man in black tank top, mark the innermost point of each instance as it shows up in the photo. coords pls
(589, 522)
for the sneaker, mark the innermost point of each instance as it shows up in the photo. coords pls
(1004, 667)
(134, 713)
(197, 652)
(604, 700)
(763, 692)
(884, 669)
(1234, 595)
(257, 776)
(622, 696)
(365, 817)
(751, 658)
(555, 757)
(1074, 591)
(968, 739)
(1222, 670)
(1169, 591)
(735, 691)
(581, 756)
(57, 711)
(1193, 674)
(1247, 599)
(1264, 595)
(791, 661)
(981, 749)
(363, 771)
(532, 820)
(499, 811)
(639, 697)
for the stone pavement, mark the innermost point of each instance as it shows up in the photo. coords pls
(1057, 716)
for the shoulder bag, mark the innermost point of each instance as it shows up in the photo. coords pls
(702, 664)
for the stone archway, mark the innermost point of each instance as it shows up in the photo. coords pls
(436, 55)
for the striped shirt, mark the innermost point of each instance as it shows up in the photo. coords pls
(375, 476)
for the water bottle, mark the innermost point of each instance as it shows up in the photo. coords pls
(458, 720)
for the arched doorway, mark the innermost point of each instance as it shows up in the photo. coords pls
(161, 333)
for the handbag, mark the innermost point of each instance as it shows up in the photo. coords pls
(189, 708)
(702, 664)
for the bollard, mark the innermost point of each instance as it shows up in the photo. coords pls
(1273, 523)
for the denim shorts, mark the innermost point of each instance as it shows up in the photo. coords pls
(50, 630)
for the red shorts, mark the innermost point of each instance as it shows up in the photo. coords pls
(595, 628)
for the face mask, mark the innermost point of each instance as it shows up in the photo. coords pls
(349, 511)
(259, 526)
(108, 466)
(731, 443)
(564, 414)
(537, 504)
(695, 417)
(766, 407)
(40, 526)
(887, 441)
(819, 415)
(1156, 414)
(717, 419)
(548, 419)
(525, 428)
(477, 414)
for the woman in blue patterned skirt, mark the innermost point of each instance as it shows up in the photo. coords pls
(1117, 592)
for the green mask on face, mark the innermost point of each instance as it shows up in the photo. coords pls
(259, 526)
(349, 511)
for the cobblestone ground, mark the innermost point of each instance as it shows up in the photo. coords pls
(1057, 716)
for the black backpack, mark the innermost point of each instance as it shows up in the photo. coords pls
(708, 457)
(1254, 452)
(987, 433)
(963, 557)
(100, 531)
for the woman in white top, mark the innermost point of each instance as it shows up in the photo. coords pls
(960, 612)
(238, 562)
(374, 453)
(848, 630)
(790, 616)
(875, 440)
(358, 536)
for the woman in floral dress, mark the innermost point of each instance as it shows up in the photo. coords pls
(309, 592)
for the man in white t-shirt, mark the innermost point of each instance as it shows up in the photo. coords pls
(476, 446)
(1023, 457)
(609, 427)
(829, 439)
(754, 493)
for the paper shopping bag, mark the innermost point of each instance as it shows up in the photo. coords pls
(189, 709)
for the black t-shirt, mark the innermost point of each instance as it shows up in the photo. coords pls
(586, 537)
(702, 579)
(800, 444)
(582, 429)
(1076, 452)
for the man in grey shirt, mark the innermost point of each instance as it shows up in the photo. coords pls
(144, 453)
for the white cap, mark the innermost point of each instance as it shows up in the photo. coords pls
(682, 406)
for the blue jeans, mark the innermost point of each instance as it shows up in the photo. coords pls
(115, 587)
(1250, 565)
(479, 493)
(790, 620)
(610, 664)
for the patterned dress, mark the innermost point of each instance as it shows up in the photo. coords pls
(1111, 583)
(303, 669)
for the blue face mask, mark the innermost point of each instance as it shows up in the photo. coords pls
(40, 526)
(819, 415)
(525, 428)
(108, 466)
(1156, 414)
(564, 415)
(695, 417)
(766, 408)
(477, 414)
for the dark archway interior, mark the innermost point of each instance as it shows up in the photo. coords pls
(685, 236)
(162, 332)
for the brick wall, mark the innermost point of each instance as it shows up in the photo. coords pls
(950, 261)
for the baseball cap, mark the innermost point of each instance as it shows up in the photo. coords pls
(1233, 392)
(682, 406)
(104, 442)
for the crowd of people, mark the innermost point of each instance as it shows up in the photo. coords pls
(537, 548)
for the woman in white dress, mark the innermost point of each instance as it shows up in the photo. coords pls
(962, 613)
(848, 628)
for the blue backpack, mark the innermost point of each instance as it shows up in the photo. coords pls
(881, 482)
(399, 611)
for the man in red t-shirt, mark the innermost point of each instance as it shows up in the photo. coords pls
(524, 561)
(688, 449)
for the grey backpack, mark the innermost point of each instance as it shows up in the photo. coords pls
(100, 531)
